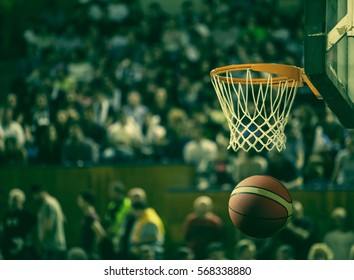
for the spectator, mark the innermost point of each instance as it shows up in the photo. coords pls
(117, 210)
(11, 128)
(92, 231)
(49, 147)
(12, 102)
(200, 151)
(340, 238)
(135, 108)
(295, 147)
(177, 135)
(79, 150)
(184, 253)
(284, 252)
(51, 220)
(153, 137)
(283, 169)
(202, 227)
(320, 251)
(18, 226)
(92, 129)
(344, 164)
(124, 138)
(101, 107)
(216, 251)
(40, 116)
(245, 249)
(148, 229)
(13, 154)
(248, 164)
(134, 195)
(300, 232)
(160, 104)
(76, 253)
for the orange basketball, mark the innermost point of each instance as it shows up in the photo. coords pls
(260, 206)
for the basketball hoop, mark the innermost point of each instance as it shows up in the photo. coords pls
(256, 100)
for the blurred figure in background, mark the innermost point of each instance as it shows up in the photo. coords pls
(148, 229)
(216, 251)
(299, 232)
(320, 251)
(341, 238)
(202, 227)
(79, 150)
(245, 249)
(285, 252)
(92, 231)
(18, 226)
(344, 164)
(134, 195)
(117, 210)
(184, 253)
(51, 219)
(76, 253)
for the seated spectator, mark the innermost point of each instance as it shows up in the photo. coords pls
(248, 164)
(160, 104)
(124, 139)
(76, 253)
(146, 252)
(40, 116)
(184, 253)
(221, 173)
(200, 151)
(283, 169)
(216, 251)
(12, 102)
(320, 251)
(11, 128)
(344, 164)
(245, 249)
(153, 137)
(285, 252)
(92, 128)
(177, 135)
(101, 108)
(79, 150)
(49, 147)
(135, 108)
(13, 154)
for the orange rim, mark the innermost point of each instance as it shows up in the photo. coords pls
(283, 72)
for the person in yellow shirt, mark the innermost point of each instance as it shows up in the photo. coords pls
(148, 229)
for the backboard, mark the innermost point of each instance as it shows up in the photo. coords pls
(329, 54)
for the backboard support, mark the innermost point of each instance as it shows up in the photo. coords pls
(329, 54)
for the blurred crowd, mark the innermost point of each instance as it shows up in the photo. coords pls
(131, 229)
(112, 83)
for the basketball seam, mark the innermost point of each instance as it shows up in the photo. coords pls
(257, 187)
(259, 218)
(263, 197)
(287, 207)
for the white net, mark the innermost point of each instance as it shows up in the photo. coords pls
(256, 112)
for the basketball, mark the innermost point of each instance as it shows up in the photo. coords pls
(260, 206)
